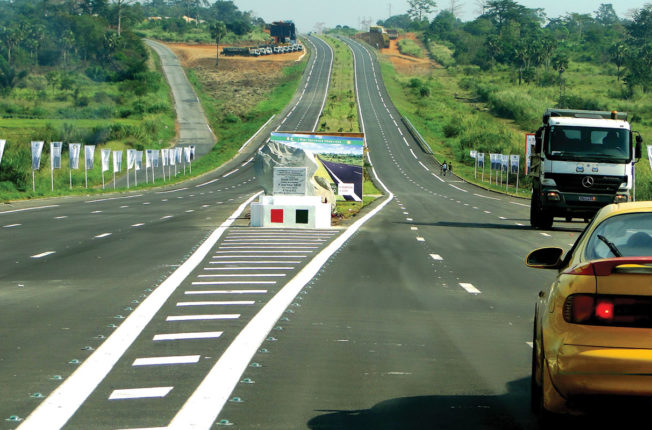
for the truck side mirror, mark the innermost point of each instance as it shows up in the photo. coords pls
(637, 150)
(538, 140)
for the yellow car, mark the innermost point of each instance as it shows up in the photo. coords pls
(593, 328)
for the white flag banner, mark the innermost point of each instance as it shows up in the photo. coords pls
(514, 162)
(480, 158)
(192, 152)
(179, 155)
(649, 155)
(117, 161)
(131, 158)
(186, 154)
(55, 154)
(494, 161)
(89, 156)
(155, 156)
(165, 156)
(37, 149)
(173, 156)
(73, 152)
(473, 153)
(505, 161)
(148, 158)
(106, 159)
(2, 148)
(139, 160)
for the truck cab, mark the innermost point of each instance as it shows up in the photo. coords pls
(582, 161)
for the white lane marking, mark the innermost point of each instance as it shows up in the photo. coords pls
(207, 183)
(436, 257)
(11, 225)
(138, 225)
(113, 198)
(194, 293)
(205, 317)
(207, 401)
(255, 262)
(28, 209)
(469, 288)
(171, 191)
(485, 197)
(409, 219)
(413, 154)
(301, 253)
(530, 344)
(218, 303)
(158, 361)
(487, 212)
(187, 336)
(414, 228)
(43, 254)
(234, 283)
(545, 234)
(166, 217)
(424, 166)
(440, 179)
(520, 204)
(256, 256)
(61, 217)
(458, 188)
(286, 246)
(230, 173)
(247, 268)
(519, 224)
(421, 239)
(138, 393)
(96, 212)
(100, 236)
(189, 211)
(64, 401)
(502, 217)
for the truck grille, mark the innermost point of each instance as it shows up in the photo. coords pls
(573, 183)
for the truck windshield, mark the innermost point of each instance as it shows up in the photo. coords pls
(609, 145)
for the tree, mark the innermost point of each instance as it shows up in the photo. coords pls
(12, 36)
(420, 9)
(606, 15)
(218, 31)
(618, 53)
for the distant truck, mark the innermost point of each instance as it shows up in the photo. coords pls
(580, 162)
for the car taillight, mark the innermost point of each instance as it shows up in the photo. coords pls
(622, 311)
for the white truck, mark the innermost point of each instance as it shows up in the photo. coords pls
(581, 161)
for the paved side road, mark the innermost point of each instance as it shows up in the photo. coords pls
(193, 126)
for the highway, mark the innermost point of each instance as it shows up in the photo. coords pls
(75, 269)
(162, 309)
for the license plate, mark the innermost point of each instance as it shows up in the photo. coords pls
(588, 198)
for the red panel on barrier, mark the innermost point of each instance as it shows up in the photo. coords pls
(276, 215)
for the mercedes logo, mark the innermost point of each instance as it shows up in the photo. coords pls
(587, 182)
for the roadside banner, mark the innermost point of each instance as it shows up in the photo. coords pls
(192, 152)
(55, 155)
(186, 154)
(89, 156)
(55, 159)
(505, 162)
(106, 159)
(179, 154)
(2, 148)
(173, 156)
(155, 157)
(165, 156)
(131, 158)
(37, 149)
(530, 142)
(649, 155)
(473, 153)
(117, 161)
(514, 163)
(148, 158)
(494, 161)
(73, 153)
(480, 158)
(139, 160)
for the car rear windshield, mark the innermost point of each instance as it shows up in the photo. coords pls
(627, 234)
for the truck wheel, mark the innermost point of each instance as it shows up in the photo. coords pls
(545, 220)
(539, 219)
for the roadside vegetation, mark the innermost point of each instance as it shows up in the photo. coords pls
(502, 70)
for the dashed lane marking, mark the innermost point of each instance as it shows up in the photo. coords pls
(159, 361)
(140, 393)
(43, 254)
(206, 317)
(469, 288)
(187, 336)
(436, 257)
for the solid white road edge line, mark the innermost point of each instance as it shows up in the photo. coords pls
(62, 403)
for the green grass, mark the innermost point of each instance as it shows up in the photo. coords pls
(411, 48)
(341, 110)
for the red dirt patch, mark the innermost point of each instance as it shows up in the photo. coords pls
(406, 64)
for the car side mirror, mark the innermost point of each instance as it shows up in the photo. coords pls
(545, 258)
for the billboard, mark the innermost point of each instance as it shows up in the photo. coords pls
(339, 157)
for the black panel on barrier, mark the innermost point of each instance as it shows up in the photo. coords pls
(302, 216)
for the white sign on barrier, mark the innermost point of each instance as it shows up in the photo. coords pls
(290, 181)
(344, 189)
(649, 155)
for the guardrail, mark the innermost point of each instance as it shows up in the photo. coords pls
(420, 140)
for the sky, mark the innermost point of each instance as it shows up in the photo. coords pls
(307, 13)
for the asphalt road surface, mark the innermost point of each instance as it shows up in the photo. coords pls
(162, 309)
(347, 174)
